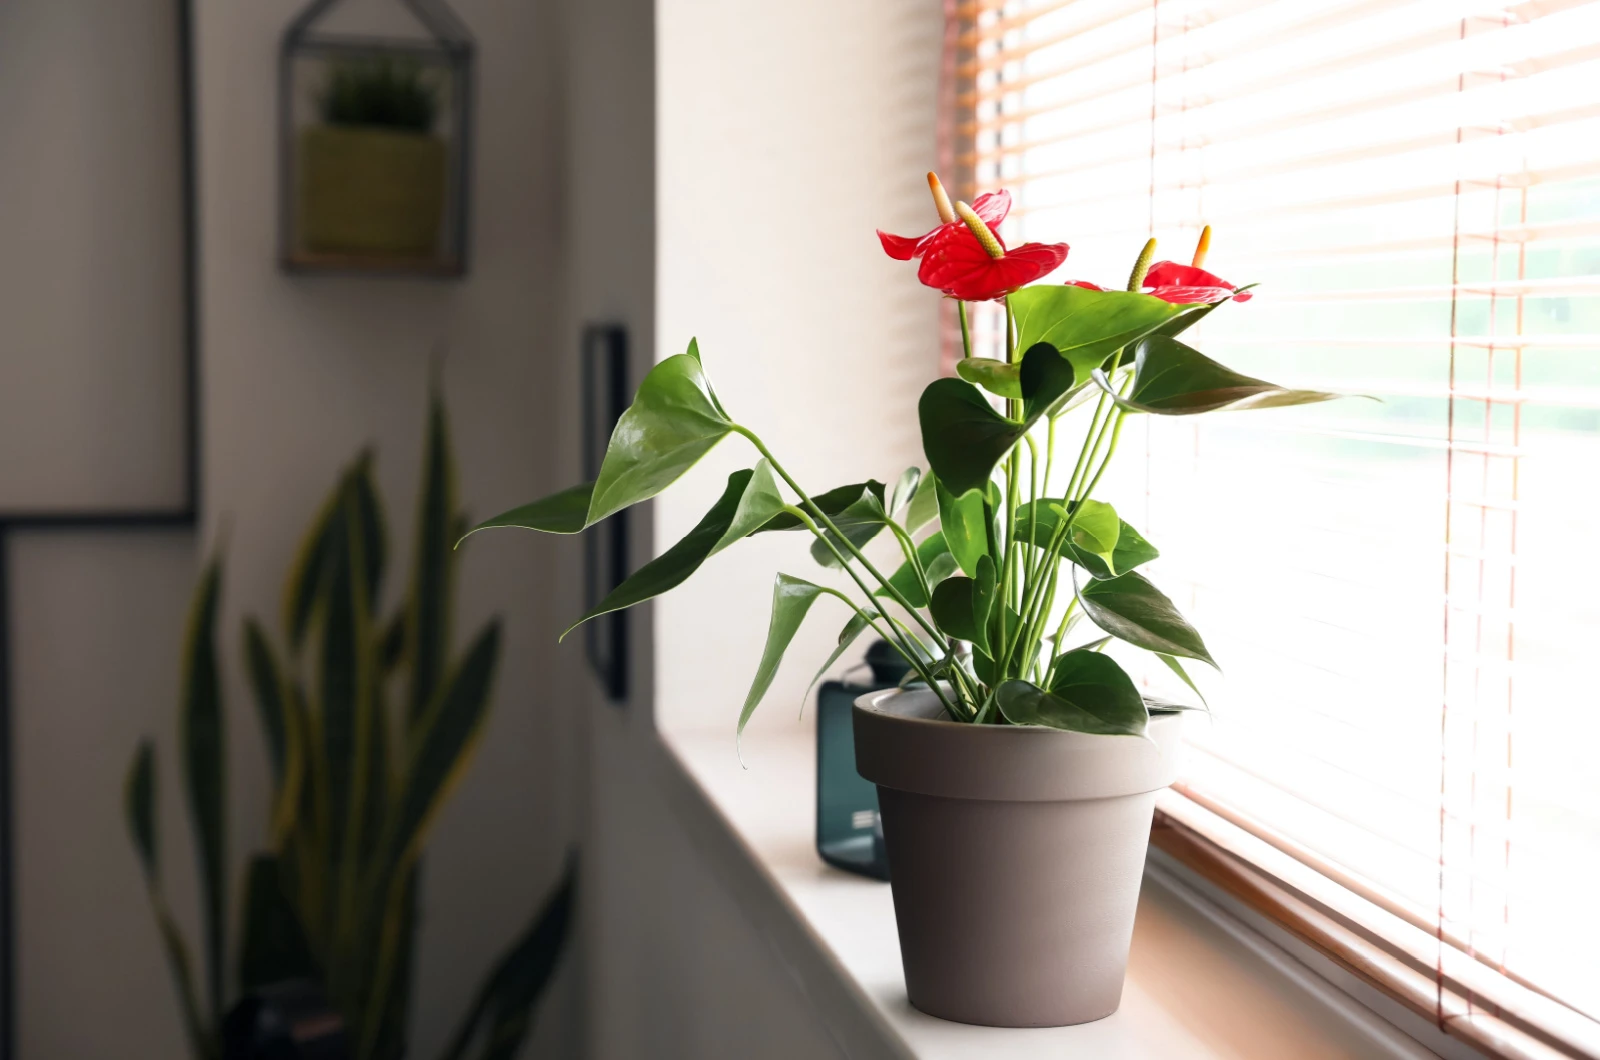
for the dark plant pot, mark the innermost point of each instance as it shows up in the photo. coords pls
(1015, 857)
(371, 191)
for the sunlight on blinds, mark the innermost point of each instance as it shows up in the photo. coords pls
(1403, 592)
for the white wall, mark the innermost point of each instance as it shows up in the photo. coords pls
(784, 134)
(788, 133)
(298, 373)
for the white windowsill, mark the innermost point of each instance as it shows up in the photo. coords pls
(1200, 983)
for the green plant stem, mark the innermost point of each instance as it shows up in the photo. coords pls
(1061, 630)
(1030, 600)
(910, 551)
(910, 655)
(1031, 569)
(822, 517)
(1033, 640)
(966, 335)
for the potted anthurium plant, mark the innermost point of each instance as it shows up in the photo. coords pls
(1017, 770)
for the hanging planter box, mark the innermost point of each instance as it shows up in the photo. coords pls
(371, 191)
(374, 144)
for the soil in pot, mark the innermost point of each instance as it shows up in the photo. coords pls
(1015, 857)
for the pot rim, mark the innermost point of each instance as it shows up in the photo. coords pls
(1011, 763)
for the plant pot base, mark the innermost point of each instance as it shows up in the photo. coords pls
(1048, 946)
(1015, 884)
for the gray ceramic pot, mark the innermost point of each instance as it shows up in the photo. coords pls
(1015, 855)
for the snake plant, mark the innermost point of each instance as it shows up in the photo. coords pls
(368, 721)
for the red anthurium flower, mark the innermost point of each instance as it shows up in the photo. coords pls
(957, 262)
(992, 206)
(1179, 284)
(1185, 284)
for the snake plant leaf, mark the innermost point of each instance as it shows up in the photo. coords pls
(204, 744)
(905, 488)
(1088, 693)
(859, 623)
(308, 569)
(924, 507)
(1183, 675)
(337, 691)
(749, 501)
(961, 606)
(139, 805)
(673, 422)
(439, 749)
(391, 1035)
(1131, 549)
(1085, 326)
(202, 1041)
(267, 685)
(964, 522)
(905, 579)
(273, 947)
(964, 438)
(997, 377)
(368, 516)
(427, 607)
(791, 599)
(374, 773)
(392, 644)
(1171, 379)
(1129, 608)
(504, 1005)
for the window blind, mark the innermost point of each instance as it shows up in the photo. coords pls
(1403, 589)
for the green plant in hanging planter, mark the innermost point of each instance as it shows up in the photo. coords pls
(1003, 550)
(382, 91)
(368, 721)
(373, 174)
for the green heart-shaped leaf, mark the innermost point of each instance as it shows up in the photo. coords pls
(832, 503)
(964, 438)
(905, 488)
(1095, 531)
(997, 377)
(673, 422)
(961, 606)
(1131, 609)
(859, 523)
(1088, 693)
(791, 599)
(964, 523)
(750, 499)
(1086, 326)
(1171, 379)
(560, 513)
(924, 507)
(1131, 549)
